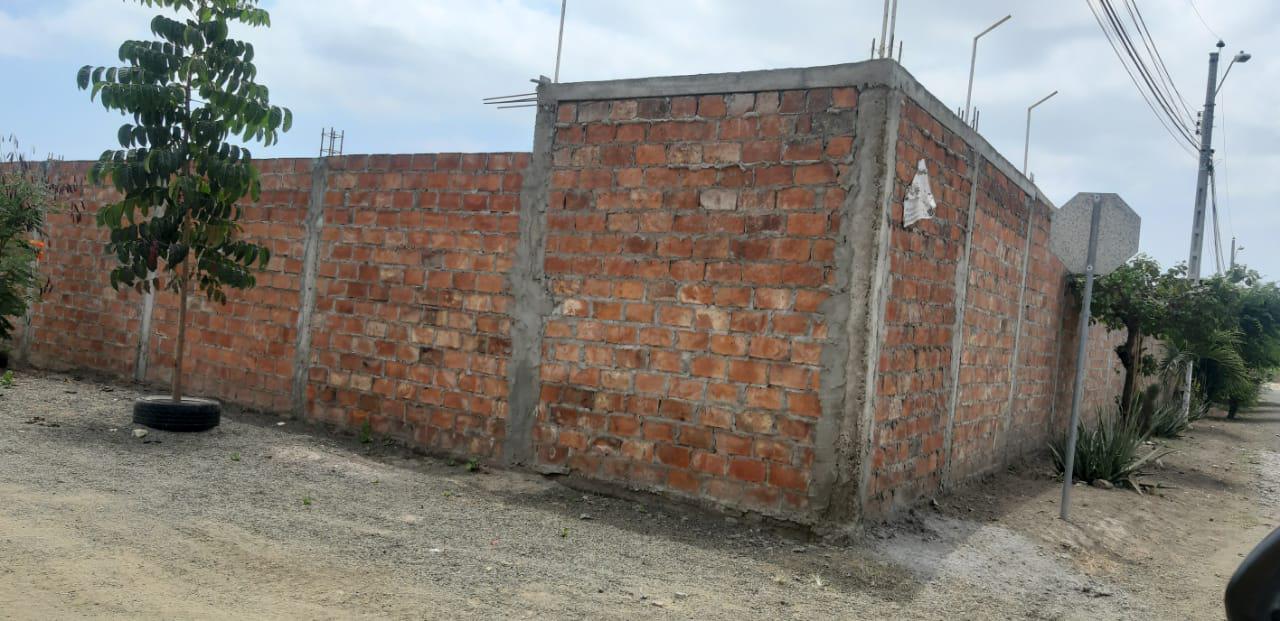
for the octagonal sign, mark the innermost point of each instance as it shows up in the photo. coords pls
(1118, 229)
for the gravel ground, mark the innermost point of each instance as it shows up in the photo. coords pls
(259, 519)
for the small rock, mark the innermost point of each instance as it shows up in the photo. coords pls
(280, 424)
(139, 433)
(799, 550)
(681, 595)
(584, 517)
(1102, 484)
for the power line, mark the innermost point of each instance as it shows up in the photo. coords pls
(1201, 18)
(1157, 97)
(1143, 93)
(1131, 50)
(1154, 51)
(1226, 172)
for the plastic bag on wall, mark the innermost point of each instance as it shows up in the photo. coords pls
(920, 203)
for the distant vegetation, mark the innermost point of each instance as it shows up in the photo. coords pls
(1227, 326)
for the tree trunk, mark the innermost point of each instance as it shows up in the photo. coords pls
(183, 288)
(1132, 361)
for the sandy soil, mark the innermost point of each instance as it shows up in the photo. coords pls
(261, 520)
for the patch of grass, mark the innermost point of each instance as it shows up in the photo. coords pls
(473, 464)
(1111, 450)
(366, 433)
(564, 533)
(235, 457)
(6, 380)
(306, 501)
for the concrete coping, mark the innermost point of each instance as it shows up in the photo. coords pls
(869, 73)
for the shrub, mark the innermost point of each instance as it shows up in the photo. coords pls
(1109, 450)
(26, 194)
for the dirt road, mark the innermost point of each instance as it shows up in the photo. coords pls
(260, 520)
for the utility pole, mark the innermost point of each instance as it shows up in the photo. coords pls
(1202, 186)
(1233, 253)
(1206, 164)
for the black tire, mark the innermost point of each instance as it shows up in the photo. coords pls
(160, 412)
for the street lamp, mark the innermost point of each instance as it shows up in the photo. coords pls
(1026, 148)
(1241, 58)
(973, 61)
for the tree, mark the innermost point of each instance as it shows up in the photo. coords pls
(189, 94)
(1229, 326)
(1132, 297)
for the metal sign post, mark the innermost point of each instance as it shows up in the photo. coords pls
(1111, 229)
(1068, 468)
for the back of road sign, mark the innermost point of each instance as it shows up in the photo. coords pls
(1118, 232)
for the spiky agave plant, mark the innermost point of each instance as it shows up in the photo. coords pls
(1111, 450)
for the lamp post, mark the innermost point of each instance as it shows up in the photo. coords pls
(973, 62)
(1202, 182)
(1026, 147)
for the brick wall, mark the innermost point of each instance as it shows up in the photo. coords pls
(951, 404)
(411, 331)
(691, 241)
(908, 435)
(80, 322)
(715, 297)
(243, 351)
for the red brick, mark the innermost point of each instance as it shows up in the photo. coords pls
(749, 470)
(675, 456)
(787, 477)
(732, 444)
(728, 345)
(747, 372)
(708, 366)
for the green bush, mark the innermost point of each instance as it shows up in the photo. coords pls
(1111, 450)
(24, 198)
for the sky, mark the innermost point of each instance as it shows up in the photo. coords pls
(401, 76)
